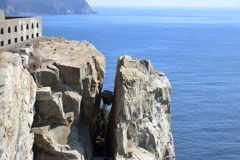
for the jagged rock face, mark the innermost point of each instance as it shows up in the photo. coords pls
(70, 79)
(17, 97)
(139, 124)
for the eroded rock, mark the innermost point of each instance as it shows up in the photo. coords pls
(57, 142)
(17, 97)
(70, 78)
(139, 124)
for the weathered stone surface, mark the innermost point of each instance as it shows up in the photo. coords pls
(70, 76)
(17, 97)
(72, 103)
(51, 111)
(139, 124)
(58, 142)
(44, 93)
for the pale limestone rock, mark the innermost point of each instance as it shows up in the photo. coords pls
(51, 111)
(72, 103)
(57, 142)
(139, 124)
(44, 93)
(17, 97)
(71, 76)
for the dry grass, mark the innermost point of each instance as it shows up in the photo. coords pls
(34, 62)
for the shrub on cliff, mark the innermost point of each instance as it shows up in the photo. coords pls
(103, 122)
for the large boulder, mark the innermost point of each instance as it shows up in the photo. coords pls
(17, 97)
(107, 97)
(69, 77)
(139, 124)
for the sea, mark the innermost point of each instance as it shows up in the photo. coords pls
(199, 51)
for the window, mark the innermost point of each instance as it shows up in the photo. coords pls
(32, 35)
(21, 38)
(27, 26)
(37, 25)
(37, 35)
(32, 25)
(9, 41)
(9, 29)
(27, 37)
(15, 40)
(2, 43)
(21, 27)
(15, 29)
(2, 32)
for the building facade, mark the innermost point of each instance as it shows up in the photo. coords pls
(18, 29)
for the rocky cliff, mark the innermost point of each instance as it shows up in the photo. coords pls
(139, 124)
(14, 7)
(70, 78)
(53, 113)
(17, 97)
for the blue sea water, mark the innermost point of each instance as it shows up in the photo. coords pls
(197, 48)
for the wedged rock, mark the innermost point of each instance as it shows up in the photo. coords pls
(17, 97)
(139, 124)
(74, 72)
(107, 97)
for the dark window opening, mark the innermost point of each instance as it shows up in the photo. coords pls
(32, 35)
(21, 27)
(37, 25)
(27, 37)
(15, 40)
(9, 41)
(21, 38)
(15, 29)
(27, 26)
(32, 25)
(9, 30)
(37, 35)
(2, 32)
(2, 43)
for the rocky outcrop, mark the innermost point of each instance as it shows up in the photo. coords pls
(17, 97)
(59, 112)
(13, 7)
(139, 124)
(69, 77)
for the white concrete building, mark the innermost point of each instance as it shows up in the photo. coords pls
(17, 29)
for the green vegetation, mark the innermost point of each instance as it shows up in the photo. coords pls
(28, 44)
(100, 147)
(103, 122)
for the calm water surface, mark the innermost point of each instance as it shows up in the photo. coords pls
(197, 48)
